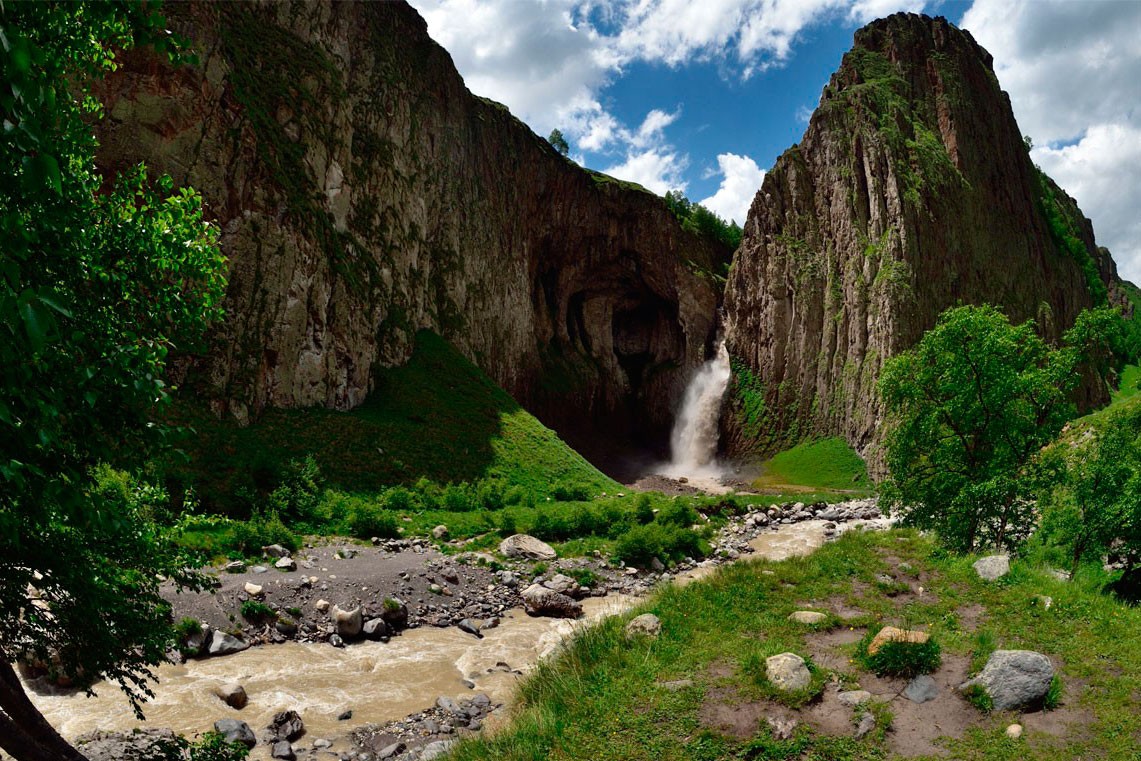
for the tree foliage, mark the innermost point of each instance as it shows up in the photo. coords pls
(99, 281)
(558, 142)
(972, 404)
(701, 221)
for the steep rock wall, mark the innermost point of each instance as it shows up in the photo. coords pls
(363, 193)
(911, 191)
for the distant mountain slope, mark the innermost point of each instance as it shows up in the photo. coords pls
(911, 191)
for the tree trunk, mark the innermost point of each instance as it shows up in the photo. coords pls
(24, 732)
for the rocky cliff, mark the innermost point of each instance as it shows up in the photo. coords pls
(911, 191)
(363, 193)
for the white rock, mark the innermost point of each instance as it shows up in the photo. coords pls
(645, 625)
(1014, 731)
(992, 567)
(810, 617)
(253, 590)
(787, 672)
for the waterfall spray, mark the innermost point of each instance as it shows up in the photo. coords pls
(693, 442)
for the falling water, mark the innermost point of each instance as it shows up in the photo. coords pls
(693, 442)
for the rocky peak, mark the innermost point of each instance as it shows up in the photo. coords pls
(911, 191)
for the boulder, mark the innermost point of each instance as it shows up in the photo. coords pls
(376, 628)
(275, 551)
(645, 625)
(562, 584)
(524, 546)
(440, 532)
(283, 750)
(322, 606)
(286, 725)
(787, 672)
(234, 566)
(253, 590)
(810, 617)
(921, 689)
(893, 634)
(348, 622)
(233, 695)
(540, 601)
(471, 626)
(221, 643)
(853, 698)
(436, 749)
(234, 731)
(992, 567)
(1014, 678)
(285, 564)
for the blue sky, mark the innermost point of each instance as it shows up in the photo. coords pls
(703, 95)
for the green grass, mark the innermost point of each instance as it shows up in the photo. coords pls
(437, 417)
(823, 464)
(601, 696)
(1128, 386)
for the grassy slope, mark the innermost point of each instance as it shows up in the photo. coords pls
(437, 417)
(822, 464)
(600, 697)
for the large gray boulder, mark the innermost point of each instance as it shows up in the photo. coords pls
(234, 731)
(787, 672)
(348, 622)
(286, 725)
(232, 694)
(645, 625)
(224, 644)
(540, 601)
(525, 546)
(992, 567)
(1014, 678)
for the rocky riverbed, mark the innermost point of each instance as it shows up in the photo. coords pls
(339, 594)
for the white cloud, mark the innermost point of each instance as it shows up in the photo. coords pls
(659, 170)
(1100, 171)
(1073, 71)
(741, 179)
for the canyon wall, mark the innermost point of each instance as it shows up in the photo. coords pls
(363, 194)
(911, 191)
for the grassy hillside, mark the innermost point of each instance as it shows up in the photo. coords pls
(824, 464)
(437, 417)
(698, 692)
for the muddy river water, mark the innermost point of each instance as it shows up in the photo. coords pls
(378, 682)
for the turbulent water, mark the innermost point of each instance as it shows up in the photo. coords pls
(693, 442)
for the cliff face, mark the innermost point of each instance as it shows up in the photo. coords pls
(363, 193)
(910, 192)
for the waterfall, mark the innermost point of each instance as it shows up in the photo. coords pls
(693, 441)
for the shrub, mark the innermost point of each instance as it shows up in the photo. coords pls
(490, 495)
(643, 509)
(507, 524)
(262, 529)
(1053, 697)
(977, 696)
(254, 611)
(457, 498)
(367, 521)
(678, 513)
(566, 491)
(398, 499)
(515, 495)
(641, 544)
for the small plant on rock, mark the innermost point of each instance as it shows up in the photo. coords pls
(254, 611)
(977, 696)
(901, 658)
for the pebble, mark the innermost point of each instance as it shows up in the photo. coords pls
(1014, 731)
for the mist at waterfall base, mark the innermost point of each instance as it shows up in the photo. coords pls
(693, 441)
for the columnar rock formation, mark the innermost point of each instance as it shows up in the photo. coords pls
(363, 193)
(911, 191)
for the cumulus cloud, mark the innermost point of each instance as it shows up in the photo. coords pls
(1073, 71)
(657, 169)
(741, 179)
(1100, 171)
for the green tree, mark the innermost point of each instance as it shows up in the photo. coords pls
(1094, 502)
(99, 281)
(971, 405)
(558, 142)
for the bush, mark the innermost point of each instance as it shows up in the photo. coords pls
(678, 513)
(398, 499)
(644, 509)
(641, 544)
(367, 521)
(255, 612)
(262, 529)
(490, 495)
(566, 491)
(297, 498)
(458, 498)
(507, 525)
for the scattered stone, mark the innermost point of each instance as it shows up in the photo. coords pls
(1014, 731)
(436, 749)
(376, 628)
(525, 546)
(809, 617)
(471, 627)
(787, 672)
(345, 715)
(921, 689)
(322, 743)
(221, 643)
(893, 634)
(1014, 678)
(346, 553)
(286, 564)
(285, 627)
(782, 728)
(645, 625)
(253, 590)
(275, 551)
(348, 622)
(286, 725)
(234, 731)
(992, 567)
(283, 750)
(336, 641)
(540, 601)
(440, 532)
(390, 751)
(322, 606)
(233, 695)
(866, 724)
(853, 698)
(137, 745)
(234, 566)
(435, 589)
(259, 569)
